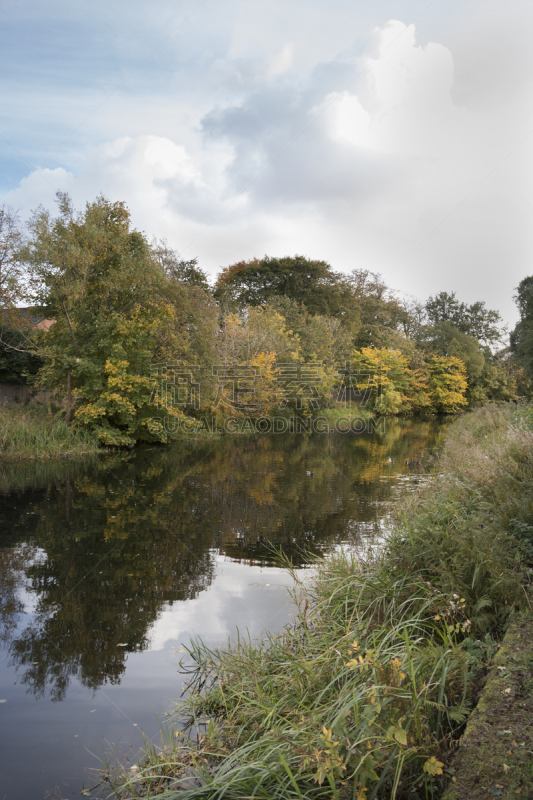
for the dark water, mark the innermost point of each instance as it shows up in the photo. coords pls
(109, 565)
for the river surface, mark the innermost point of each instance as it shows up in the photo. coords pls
(109, 565)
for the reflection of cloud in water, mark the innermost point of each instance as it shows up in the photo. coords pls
(248, 598)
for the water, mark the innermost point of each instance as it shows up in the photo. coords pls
(109, 565)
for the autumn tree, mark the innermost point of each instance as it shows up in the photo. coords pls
(97, 278)
(447, 383)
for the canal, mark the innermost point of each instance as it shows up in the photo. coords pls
(109, 566)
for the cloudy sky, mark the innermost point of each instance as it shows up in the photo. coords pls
(392, 136)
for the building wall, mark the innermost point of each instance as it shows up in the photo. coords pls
(17, 393)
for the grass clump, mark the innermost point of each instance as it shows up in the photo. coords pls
(365, 696)
(32, 431)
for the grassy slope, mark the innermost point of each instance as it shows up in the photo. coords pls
(365, 697)
(32, 432)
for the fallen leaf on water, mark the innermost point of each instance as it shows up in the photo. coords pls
(178, 650)
(122, 644)
(35, 662)
(94, 709)
(3, 701)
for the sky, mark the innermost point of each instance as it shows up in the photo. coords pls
(390, 136)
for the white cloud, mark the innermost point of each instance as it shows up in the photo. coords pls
(373, 160)
(283, 61)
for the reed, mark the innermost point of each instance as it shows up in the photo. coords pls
(33, 432)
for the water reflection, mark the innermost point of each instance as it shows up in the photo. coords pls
(96, 550)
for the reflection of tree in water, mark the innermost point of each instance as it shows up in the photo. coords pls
(267, 497)
(127, 535)
(116, 550)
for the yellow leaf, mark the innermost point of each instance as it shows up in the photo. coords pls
(433, 767)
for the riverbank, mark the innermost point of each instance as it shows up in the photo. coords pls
(367, 695)
(32, 432)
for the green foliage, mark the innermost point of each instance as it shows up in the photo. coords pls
(253, 283)
(11, 290)
(475, 320)
(375, 316)
(16, 365)
(522, 335)
(321, 338)
(178, 270)
(490, 376)
(98, 280)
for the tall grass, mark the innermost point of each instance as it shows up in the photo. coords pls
(365, 695)
(470, 531)
(32, 431)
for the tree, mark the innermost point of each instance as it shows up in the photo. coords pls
(255, 282)
(376, 317)
(522, 335)
(11, 287)
(447, 383)
(393, 384)
(176, 269)
(482, 323)
(98, 279)
(15, 366)
(321, 338)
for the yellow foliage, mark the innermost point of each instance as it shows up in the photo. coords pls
(433, 767)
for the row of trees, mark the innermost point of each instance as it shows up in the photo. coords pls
(139, 334)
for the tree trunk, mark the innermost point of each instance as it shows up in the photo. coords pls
(69, 397)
